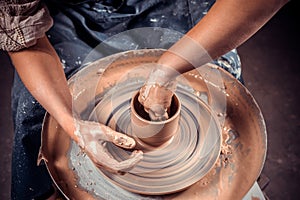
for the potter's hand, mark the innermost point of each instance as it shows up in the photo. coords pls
(156, 94)
(92, 137)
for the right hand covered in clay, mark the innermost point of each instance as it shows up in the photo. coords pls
(93, 136)
(156, 94)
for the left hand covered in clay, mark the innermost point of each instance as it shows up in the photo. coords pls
(93, 136)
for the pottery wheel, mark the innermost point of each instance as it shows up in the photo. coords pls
(190, 154)
(216, 154)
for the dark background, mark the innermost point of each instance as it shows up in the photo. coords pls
(271, 71)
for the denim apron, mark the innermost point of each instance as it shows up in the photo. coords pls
(79, 26)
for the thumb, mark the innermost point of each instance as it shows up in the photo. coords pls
(118, 138)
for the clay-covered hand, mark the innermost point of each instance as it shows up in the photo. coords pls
(93, 136)
(156, 94)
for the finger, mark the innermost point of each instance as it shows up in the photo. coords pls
(89, 131)
(158, 113)
(104, 160)
(118, 138)
(126, 165)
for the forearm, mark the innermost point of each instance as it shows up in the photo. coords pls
(227, 25)
(41, 72)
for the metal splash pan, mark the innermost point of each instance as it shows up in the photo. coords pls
(232, 147)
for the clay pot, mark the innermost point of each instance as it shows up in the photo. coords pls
(153, 134)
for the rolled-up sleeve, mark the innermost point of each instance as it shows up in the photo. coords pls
(22, 23)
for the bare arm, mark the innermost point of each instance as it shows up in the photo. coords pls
(41, 72)
(227, 25)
